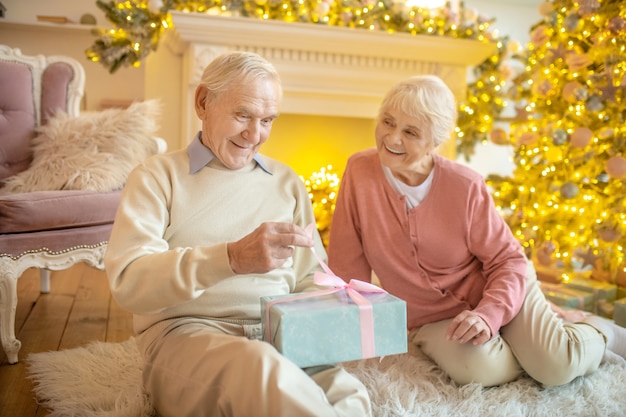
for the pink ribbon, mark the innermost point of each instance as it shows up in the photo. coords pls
(353, 289)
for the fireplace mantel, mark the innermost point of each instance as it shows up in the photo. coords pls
(325, 70)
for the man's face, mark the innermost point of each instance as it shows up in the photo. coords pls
(239, 121)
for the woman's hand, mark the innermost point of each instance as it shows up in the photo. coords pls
(468, 326)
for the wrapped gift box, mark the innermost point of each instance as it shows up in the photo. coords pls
(600, 290)
(550, 274)
(619, 312)
(605, 309)
(554, 273)
(563, 296)
(326, 329)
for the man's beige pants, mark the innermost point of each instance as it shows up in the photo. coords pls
(197, 368)
(536, 341)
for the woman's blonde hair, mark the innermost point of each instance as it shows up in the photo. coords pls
(428, 99)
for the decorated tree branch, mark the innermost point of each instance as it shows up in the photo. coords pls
(565, 199)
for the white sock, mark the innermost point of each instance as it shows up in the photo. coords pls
(615, 334)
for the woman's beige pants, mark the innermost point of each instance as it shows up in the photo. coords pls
(199, 368)
(536, 341)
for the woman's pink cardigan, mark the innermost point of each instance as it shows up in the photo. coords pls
(451, 253)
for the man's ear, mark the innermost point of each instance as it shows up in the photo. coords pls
(200, 101)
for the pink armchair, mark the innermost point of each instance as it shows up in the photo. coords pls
(49, 230)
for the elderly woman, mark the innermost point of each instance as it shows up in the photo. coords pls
(428, 228)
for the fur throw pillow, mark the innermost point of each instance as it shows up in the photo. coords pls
(94, 151)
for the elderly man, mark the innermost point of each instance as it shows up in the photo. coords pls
(200, 235)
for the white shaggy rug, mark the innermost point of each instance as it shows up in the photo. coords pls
(103, 380)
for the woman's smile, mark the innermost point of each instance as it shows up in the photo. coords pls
(393, 151)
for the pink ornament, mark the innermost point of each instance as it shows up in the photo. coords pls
(544, 257)
(499, 136)
(569, 91)
(609, 235)
(616, 24)
(513, 47)
(576, 61)
(545, 8)
(588, 7)
(539, 36)
(544, 254)
(581, 137)
(616, 167)
(528, 138)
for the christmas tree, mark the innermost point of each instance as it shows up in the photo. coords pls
(565, 200)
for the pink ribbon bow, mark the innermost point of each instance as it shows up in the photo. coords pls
(354, 289)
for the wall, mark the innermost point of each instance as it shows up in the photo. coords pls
(293, 135)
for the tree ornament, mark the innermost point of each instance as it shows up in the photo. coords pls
(573, 23)
(546, 8)
(513, 47)
(594, 103)
(521, 113)
(570, 91)
(602, 178)
(539, 36)
(616, 24)
(155, 5)
(470, 14)
(569, 190)
(499, 136)
(609, 89)
(559, 136)
(528, 138)
(588, 258)
(88, 19)
(322, 8)
(581, 137)
(588, 7)
(544, 253)
(606, 133)
(581, 93)
(616, 167)
(578, 61)
(609, 234)
(544, 88)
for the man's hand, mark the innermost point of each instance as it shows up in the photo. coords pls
(468, 326)
(266, 248)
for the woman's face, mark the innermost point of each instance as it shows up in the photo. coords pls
(404, 145)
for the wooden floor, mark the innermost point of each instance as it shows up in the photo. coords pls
(78, 310)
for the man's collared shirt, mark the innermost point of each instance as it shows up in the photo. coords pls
(200, 156)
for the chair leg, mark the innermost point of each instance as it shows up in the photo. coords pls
(8, 305)
(44, 279)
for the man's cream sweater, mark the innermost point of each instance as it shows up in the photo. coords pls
(167, 253)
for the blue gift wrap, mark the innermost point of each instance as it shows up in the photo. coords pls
(602, 291)
(326, 329)
(565, 296)
(619, 312)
